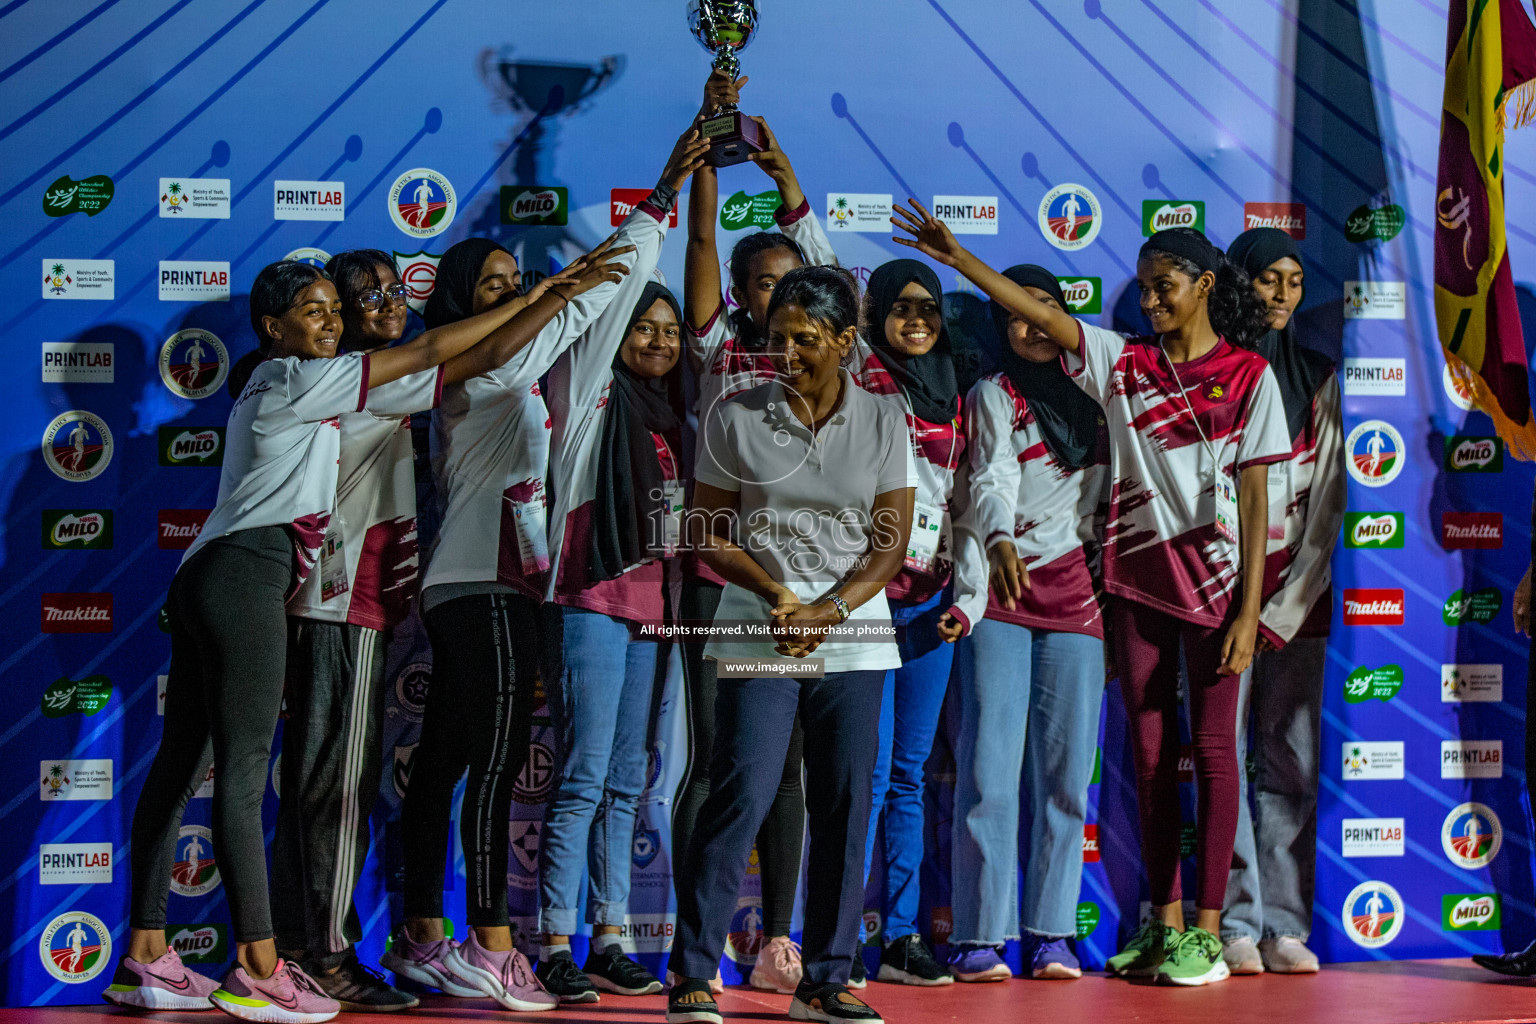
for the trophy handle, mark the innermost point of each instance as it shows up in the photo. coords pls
(606, 69)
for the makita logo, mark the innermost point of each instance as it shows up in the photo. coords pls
(195, 278)
(1288, 217)
(77, 613)
(622, 203)
(1480, 530)
(1184, 215)
(1373, 607)
(534, 204)
(179, 527)
(81, 529)
(1090, 844)
(1374, 530)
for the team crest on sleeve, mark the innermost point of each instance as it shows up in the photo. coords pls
(1373, 914)
(1471, 835)
(193, 363)
(77, 445)
(75, 947)
(1070, 217)
(422, 203)
(1375, 453)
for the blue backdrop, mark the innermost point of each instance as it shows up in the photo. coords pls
(148, 146)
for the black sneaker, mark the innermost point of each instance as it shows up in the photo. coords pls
(830, 1002)
(564, 980)
(691, 1002)
(612, 971)
(857, 976)
(359, 989)
(909, 962)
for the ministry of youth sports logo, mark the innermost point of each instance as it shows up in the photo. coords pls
(193, 363)
(1471, 835)
(77, 445)
(75, 947)
(1373, 914)
(1070, 217)
(422, 203)
(1375, 453)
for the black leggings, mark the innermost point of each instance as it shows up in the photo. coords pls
(222, 697)
(781, 839)
(478, 716)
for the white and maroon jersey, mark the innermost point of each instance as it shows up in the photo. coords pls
(1307, 496)
(281, 447)
(1161, 546)
(938, 449)
(577, 396)
(1018, 491)
(374, 580)
(490, 444)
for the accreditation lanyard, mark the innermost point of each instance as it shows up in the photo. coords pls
(1223, 487)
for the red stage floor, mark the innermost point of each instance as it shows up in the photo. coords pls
(1400, 992)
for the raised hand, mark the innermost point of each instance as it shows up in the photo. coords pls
(687, 157)
(776, 165)
(930, 236)
(596, 267)
(720, 91)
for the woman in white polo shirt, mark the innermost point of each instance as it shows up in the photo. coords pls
(802, 504)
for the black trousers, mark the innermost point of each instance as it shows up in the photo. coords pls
(841, 716)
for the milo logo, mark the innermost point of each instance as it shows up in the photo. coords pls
(1474, 454)
(63, 528)
(534, 205)
(1471, 606)
(1157, 215)
(1373, 530)
(1469, 912)
(198, 944)
(1083, 294)
(192, 446)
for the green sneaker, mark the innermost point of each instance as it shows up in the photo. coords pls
(1194, 958)
(1142, 955)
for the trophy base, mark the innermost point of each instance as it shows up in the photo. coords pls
(732, 138)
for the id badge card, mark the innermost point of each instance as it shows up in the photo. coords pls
(529, 519)
(924, 541)
(333, 563)
(1226, 507)
(672, 517)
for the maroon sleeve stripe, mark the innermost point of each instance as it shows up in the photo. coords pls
(703, 330)
(788, 217)
(362, 391)
(437, 389)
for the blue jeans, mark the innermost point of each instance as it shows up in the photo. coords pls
(601, 686)
(1270, 886)
(909, 717)
(1049, 687)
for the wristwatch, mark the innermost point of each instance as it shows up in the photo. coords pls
(843, 611)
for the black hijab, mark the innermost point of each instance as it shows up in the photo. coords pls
(1299, 370)
(458, 272)
(629, 516)
(1067, 416)
(928, 379)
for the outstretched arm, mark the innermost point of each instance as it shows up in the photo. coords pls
(701, 262)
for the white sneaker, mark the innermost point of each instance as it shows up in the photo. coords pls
(778, 967)
(1288, 955)
(1242, 956)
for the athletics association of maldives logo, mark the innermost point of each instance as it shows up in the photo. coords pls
(422, 203)
(1070, 217)
(75, 947)
(1373, 914)
(194, 871)
(1375, 453)
(193, 363)
(1471, 835)
(77, 445)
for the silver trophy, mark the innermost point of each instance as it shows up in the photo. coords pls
(725, 27)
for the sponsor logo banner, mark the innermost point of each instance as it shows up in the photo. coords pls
(74, 863)
(194, 281)
(418, 272)
(1478, 606)
(1373, 607)
(647, 933)
(1375, 377)
(1365, 684)
(1373, 914)
(1084, 295)
(967, 215)
(88, 196)
(78, 362)
(859, 211)
(535, 204)
(89, 779)
(1382, 223)
(199, 943)
(1474, 454)
(1373, 529)
(77, 528)
(77, 613)
(1367, 760)
(1288, 217)
(194, 198)
(308, 254)
(1471, 835)
(740, 211)
(193, 363)
(1375, 300)
(66, 696)
(1162, 214)
(422, 203)
(179, 527)
(1467, 912)
(191, 446)
(1088, 915)
(1481, 530)
(77, 445)
(1469, 684)
(309, 200)
(79, 279)
(1471, 759)
(1374, 453)
(1373, 837)
(1069, 217)
(1090, 843)
(75, 947)
(622, 202)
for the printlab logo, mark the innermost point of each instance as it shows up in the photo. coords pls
(1373, 529)
(78, 279)
(418, 272)
(1288, 217)
(1084, 295)
(193, 363)
(195, 198)
(78, 528)
(198, 943)
(77, 613)
(66, 696)
(310, 255)
(77, 445)
(622, 203)
(1478, 606)
(967, 215)
(1471, 836)
(78, 362)
(1471, 684)
(1381, 223)
(1069, 217)
(191, 446)
(75, 947)
(1465, 912)
(193, 872)
(742, 210)
(309, 200)
(535, 204)
(1385, 377)
(88, 196)
(1365, 684)
(194, 281)
(74, 863)
(1367, 761)
(1160, 215)
(179, 527)
(859, 211)
(90, 779)
(1471, 759)
(1474, 454)
(1373, 607)
(1480, 530)
(1373, 837)
(422, 203)
(1375, 453)
(1373, 914)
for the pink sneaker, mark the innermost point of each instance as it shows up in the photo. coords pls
(288, 997)
(778, 967)
(716, 985)
(426, 963)
(163, 984)
(505, 977)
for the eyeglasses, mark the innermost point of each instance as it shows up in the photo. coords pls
(374, 299)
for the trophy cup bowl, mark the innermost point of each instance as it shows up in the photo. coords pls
(724, 28)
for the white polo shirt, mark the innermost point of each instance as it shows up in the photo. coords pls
(805, 503)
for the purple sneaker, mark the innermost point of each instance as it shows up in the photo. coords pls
(426, 963)
(163, 984)
(978, 963)
(288, 997)
(505, 977)
(1051, 959)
